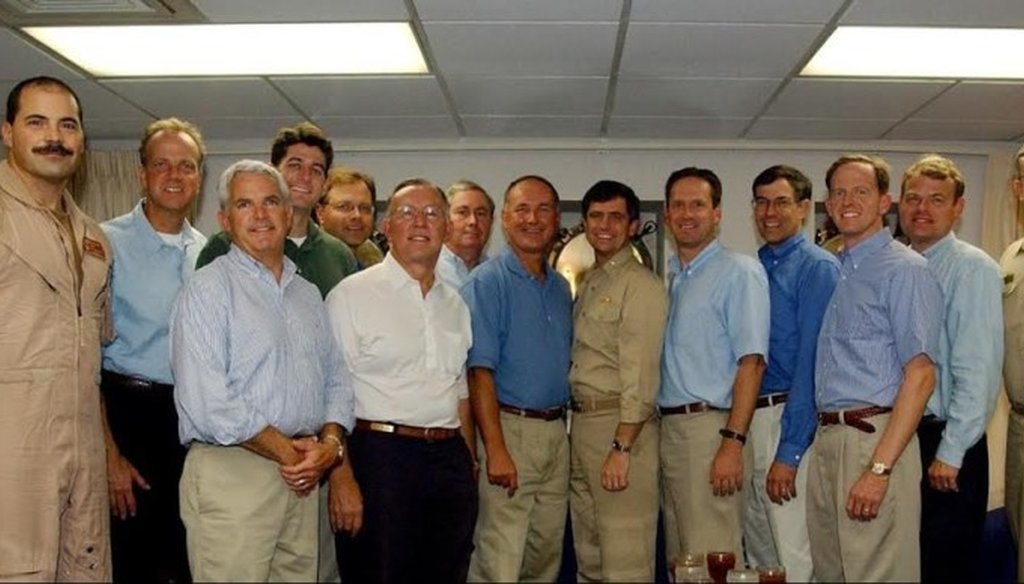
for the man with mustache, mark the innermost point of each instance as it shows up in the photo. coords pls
(303, 155)
(54, 261)
(155, 250)
(954, 451)
(471, 212)
(262, 395)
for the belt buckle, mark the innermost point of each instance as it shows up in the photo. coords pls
(842, 417)
(426, 435)
(382, 427)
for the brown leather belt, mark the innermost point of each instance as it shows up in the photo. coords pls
(548, 415)
(774, 399)
(127, 381)
(688, 409)
(853, 418)
(428, 434)
(590, 404)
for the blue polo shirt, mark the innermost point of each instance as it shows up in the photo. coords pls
(801, 277)
(719, 312)
(522, 331)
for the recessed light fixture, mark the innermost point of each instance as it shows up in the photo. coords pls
(336, 48)
(909, 52)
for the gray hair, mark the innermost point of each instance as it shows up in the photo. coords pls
(254, 167)
(463, 185)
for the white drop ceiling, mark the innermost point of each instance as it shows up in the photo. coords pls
(656, 69)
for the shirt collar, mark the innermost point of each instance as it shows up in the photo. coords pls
(782, 250)
(16, 188)
(618, 261)
(398, 277)
(148, 238)
(257, 269)
(702, 258)
(940, 247)
(512, 262)
(865, 248)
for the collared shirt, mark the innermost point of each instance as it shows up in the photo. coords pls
(619, 322)
(719, 312)
(970, 356)
(1012, 265)
(522, 331)
(406, 352)
(451, 269)
(250, 352)
(886, 310)
(145, 280)
(801, 278)
(321, 259)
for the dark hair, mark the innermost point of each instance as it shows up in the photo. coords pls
(304, 133)
(535, 177)
(703, 174)
(14, 97)
(797, 180)
(880, 167)
(609, 190)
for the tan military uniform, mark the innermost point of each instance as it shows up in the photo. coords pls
(1012, 265)
(54, 511)
(619, 322)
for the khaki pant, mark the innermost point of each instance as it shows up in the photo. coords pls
(614, 532)
(327, 568)
(519, 538)
(1015, 483)
(242, 522)
(885, 549)
(775, 534)
(695, 519)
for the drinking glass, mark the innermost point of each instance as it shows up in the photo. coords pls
(719, 564)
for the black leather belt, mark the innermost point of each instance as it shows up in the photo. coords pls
(548, 415)
(774, 399)
(135, 383)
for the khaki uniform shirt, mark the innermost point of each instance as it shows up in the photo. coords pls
(1012, 266)
(619, 322)
(54, 513)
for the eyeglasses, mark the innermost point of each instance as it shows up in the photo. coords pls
(347, 207)
(430, 213)
(781, 204)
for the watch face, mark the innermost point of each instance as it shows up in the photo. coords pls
(879, 468)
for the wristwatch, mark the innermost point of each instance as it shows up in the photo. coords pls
(620, 447)
(880, 469)
(341, 446)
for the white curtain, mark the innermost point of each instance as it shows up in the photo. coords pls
(107, 183)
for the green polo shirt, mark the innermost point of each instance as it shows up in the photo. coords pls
(322, 259)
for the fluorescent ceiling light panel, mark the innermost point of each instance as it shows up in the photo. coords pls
(954, 53)
(347, 48)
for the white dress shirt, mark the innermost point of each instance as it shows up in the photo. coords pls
(406, 352)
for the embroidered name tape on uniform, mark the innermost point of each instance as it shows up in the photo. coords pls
(94, 248)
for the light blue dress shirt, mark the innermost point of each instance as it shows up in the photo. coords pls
(801, 277)
(522, 331)
(451, 269)
(146, 276)
(886, 310)
(719, 312)
(970, 344)
(249, 352)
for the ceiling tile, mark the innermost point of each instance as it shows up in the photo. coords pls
(793, 11)
(205, 98)
(343, 128)
(529, 95)
(520, 10)
(304, 11)
(365, 96)
(979, 101)
(681, 128)
(985, 13)
(514, 49)
(698, 98)
(715, 50)
(98, 102)
(114, 128)
(818, 129)
(532, 126)
(243, 127)
(827, 98)
(22, 60)
(955, 130)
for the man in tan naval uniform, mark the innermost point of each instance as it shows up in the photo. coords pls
(54, 515)
(618, 323)
(1012, 265)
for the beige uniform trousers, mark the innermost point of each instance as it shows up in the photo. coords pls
(775, 534)
(1015, 482)
(519, 538)
(885, 549)
(327, 568)
(695, 519)
(613, 532)
(242, 523)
